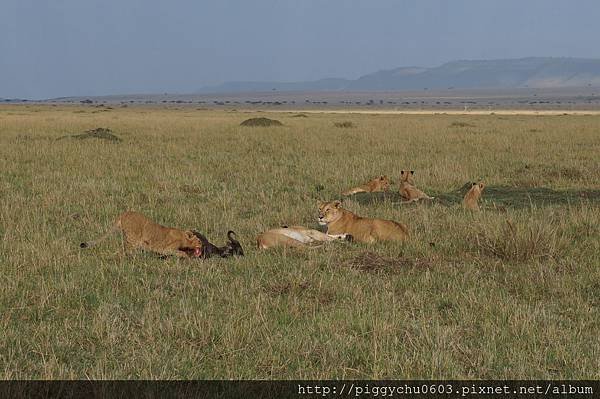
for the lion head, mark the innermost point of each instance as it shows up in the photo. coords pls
(407, 176)
(477, 187)
(192, 246)
(329, 212)
(381, 183)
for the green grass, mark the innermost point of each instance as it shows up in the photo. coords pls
(509, 292)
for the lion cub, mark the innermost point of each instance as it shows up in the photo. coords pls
(341, 221)
(378, 184)
(139, 232)
(295, 237)
(408, 191)
(472, 196)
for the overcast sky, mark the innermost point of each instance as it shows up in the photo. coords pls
(52, 48)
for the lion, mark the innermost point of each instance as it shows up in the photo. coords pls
(471, 199)
(378, 184)
(139, 232)
(296, 237)
(408, 191)
(341, 221)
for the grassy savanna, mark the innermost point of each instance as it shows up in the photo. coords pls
(512, 291)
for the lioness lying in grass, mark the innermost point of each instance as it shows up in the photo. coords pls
(341, 221)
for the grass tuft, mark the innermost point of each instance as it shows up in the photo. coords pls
(523, 242)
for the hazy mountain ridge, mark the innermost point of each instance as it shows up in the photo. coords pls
(533, 72)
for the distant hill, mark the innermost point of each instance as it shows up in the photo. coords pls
(532, 72)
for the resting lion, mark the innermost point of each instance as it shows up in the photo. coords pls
(471, 199)
(408, 191)
(139, 232)
(295, 237)
(378, 184)
(341, 221)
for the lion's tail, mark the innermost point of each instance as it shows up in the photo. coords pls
(115, 227)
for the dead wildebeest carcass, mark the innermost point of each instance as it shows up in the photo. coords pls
(232, 248)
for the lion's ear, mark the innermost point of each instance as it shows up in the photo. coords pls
(401, 172)
(412, 172)
(481, 185)
(337, 203)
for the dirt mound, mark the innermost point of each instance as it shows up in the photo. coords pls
(300, 116)
(261, 122)
(98, 133)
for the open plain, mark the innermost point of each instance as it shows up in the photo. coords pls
(512, 291)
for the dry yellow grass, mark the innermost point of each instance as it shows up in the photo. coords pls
(453, 302)
(477, 112)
